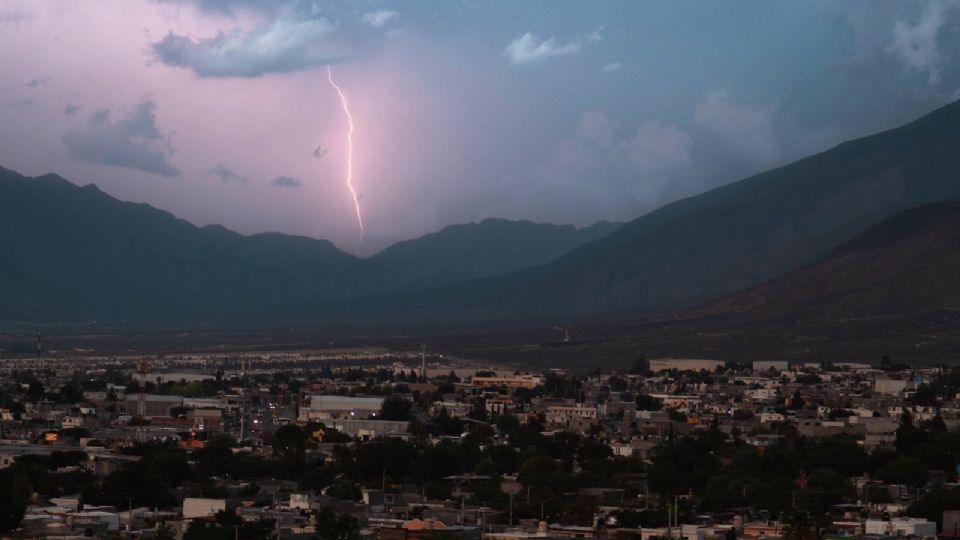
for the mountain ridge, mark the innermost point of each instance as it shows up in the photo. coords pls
(902, 265)
(75, 252)
(714, 243)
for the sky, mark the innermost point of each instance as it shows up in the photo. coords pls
(221, 111)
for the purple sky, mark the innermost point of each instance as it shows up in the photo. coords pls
(220, 112)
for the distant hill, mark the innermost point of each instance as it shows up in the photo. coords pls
(73, 253)
(492, 247)
(906, 264)
(76, 253)
(720, 241)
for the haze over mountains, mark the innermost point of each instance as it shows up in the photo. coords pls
(75, 253)
(726, 239)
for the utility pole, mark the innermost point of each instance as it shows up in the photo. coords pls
(276, 518)
(510, 522)
(676, 513)
(39, 351)
(423, 362)
(669, 521)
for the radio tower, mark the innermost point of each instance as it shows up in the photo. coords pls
(39, 351)
(142, 370)
(423, 362)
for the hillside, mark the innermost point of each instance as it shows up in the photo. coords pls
(905, 264)
(723, 240)
(492, 247)
(74, 253)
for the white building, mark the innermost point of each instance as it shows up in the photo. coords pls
(761, 366)
(684, 364)
(560, 414)
(902, 527)
(197, 508)
(890, 387)
(333, 407)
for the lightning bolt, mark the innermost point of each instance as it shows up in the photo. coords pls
(353, 191)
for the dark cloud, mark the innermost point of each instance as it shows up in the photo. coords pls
(36, 82)
(133, 142)
(22, 103)
(319, 152)
(13, 16)
(286, 182)
(226, 175)
(289, 43)
(379, 18)
(71, 110)
(226, 6)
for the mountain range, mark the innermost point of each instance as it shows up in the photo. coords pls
(75, 253)
(723, 240)
(905, 264)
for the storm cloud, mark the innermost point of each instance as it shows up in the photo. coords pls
(133, 142)
(286, 182)
(462, 110)
(286, 44)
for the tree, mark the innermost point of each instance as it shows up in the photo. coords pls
(331, 526)
(617, 384)
(345, 490)
(907, 434)
(165, 532)
(905, 470)
(647, 403)
(13, 498)
(290, 444)
(395, 408)
(796, 401)
(70, 393)
(173, 467)
(840, 453)
(934, 502)
(444, 424)
(824, 488)
(800, 527)
(681, 465)
(640, 365)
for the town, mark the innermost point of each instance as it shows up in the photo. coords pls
(351, 444)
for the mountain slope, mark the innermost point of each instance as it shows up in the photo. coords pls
(476, 250)
(905, 264)
(76, 253)
(723, 240)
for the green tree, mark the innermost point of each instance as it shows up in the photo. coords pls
(331, 526)
(396, 408)
(824, 488)
(345, 490)
(13, 498)
(905, 470)
(165, 532)
(933, 503)
(681, 465)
